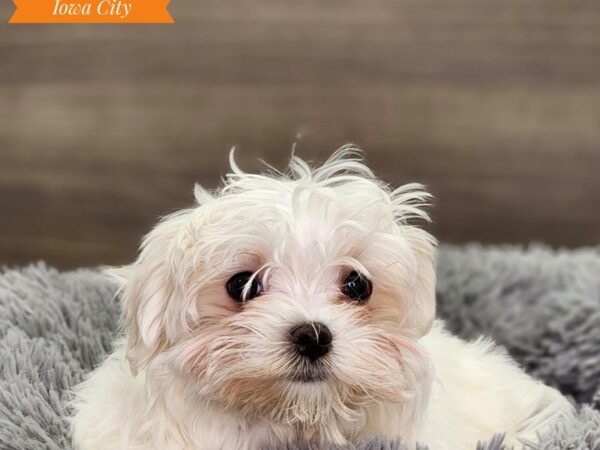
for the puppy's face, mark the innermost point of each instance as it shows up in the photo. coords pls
(292, 298)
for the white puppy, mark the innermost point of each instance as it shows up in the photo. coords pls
(298, 306)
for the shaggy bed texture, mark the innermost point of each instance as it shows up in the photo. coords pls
(543, 306)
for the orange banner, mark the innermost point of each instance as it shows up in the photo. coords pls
(91, 11)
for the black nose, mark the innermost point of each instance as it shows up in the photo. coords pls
(312, 339)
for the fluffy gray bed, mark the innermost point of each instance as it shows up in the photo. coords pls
(543, 306)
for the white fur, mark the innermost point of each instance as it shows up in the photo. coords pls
(195, 370)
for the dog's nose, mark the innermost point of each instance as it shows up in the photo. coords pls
(312, 339)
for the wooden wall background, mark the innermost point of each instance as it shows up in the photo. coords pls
(494, 104)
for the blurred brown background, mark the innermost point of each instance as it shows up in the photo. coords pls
(493, 104)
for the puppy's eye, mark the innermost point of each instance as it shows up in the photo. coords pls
(236, 284)
(357, 287)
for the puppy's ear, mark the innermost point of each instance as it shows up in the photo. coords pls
(420, 304)
(146, 296)
(409, 202)
(149, 291)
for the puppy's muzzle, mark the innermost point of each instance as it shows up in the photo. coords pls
(311, 339)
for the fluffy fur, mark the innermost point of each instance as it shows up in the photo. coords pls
(197, 370)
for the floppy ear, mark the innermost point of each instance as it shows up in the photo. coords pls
(149, 291)
(421, 301)
(409, 202)
(422, 304)
(146, 295)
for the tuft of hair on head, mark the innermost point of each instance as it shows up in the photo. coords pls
(344, 167)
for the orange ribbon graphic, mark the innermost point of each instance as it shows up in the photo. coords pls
(91, 11)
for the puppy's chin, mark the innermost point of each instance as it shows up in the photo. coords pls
(299, 404)
(306, 394)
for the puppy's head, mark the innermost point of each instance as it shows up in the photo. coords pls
(296, 297)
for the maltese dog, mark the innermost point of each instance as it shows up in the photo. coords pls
(298, 306)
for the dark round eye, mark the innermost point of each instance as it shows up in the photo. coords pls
(236, 284)
(357, 287)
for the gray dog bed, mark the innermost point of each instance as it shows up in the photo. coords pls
(543, 306)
